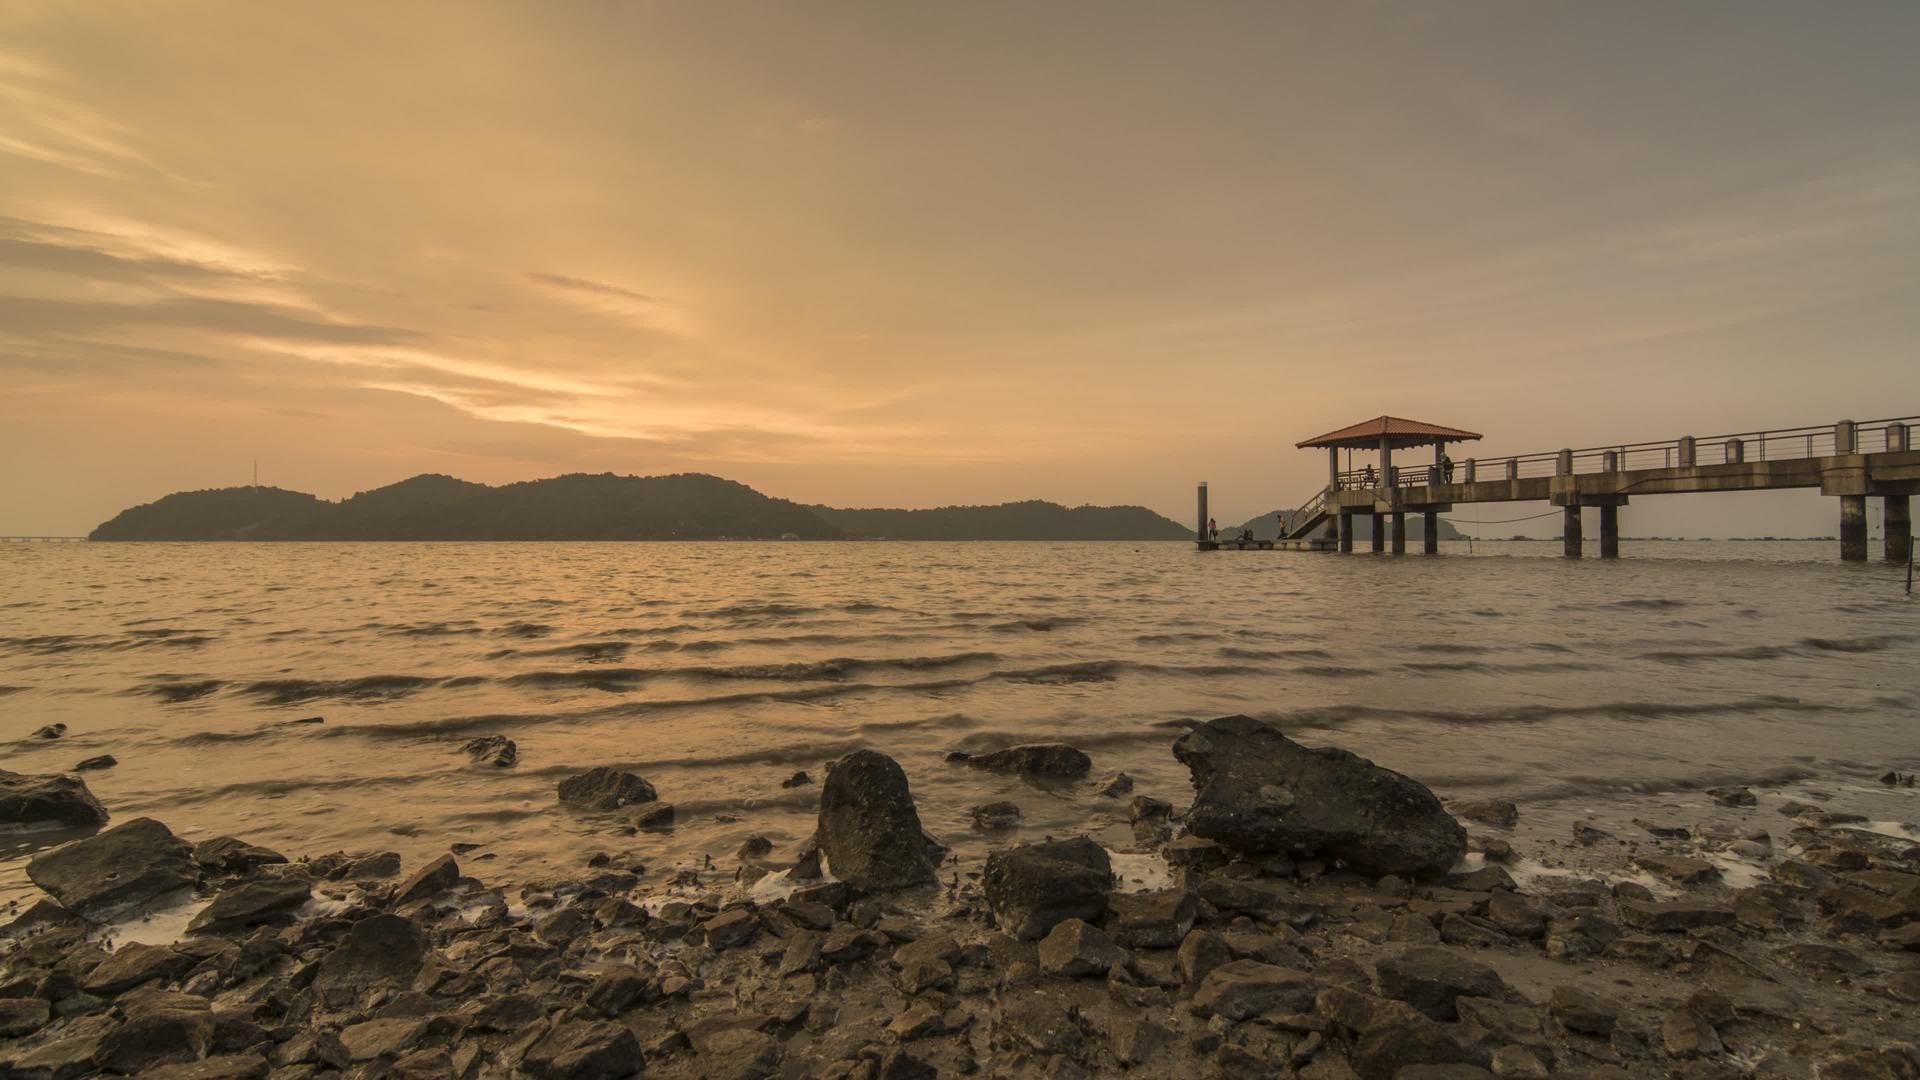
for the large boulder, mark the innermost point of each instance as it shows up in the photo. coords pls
(123, 867)
(868, 828)
(1033, 888)
(605, 789)
(252, 903)
(1258, 791)
(1053, 761)
(48, 800)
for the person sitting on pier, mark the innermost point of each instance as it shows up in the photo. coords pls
(1446, 468)
(1366, 477)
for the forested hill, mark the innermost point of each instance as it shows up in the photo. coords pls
(686, 506)
(1033, 520)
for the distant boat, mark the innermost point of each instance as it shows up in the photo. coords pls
(789, 536)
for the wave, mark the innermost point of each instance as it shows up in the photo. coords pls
(1690, 656)
(1484, 667)
(809, 671)
(1876, 643)
(173, 693)
(1338, 716)
(752, 611)
(293, 691)
(1238, 653)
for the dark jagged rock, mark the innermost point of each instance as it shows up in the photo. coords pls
(159, 1030)
(1053, 761)
(48, 800)
(995, 816)
(603, 788)
(584, 1050)
(1033, 888)
(495, 750)
(1500, 812)
(1258, 791)
(1245, 988)
(22, 1016)
(799, 779)
(1153, 920)
(127, 865)
(230, 855)
(251, 904)
(430, 881)
(133, 964)
(1074, 949)
(1430, 979)
(101, 761)
(50, 731)
(379, 948)
(868, 829)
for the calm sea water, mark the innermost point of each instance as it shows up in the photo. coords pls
(717, 670)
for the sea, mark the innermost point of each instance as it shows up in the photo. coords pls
(1582, 689)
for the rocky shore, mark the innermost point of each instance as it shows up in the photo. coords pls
(1300, 912)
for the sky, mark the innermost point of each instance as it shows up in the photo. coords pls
(922, 254)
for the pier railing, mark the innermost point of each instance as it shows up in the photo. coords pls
(1780, 444)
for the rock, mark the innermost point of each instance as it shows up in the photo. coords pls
(799, 779)
(1585, 834)
(128, 865)
(1517, 1063)
(379, 948)
(160, 1030)
(1817, 958)
(1495, 848)
(51, 731)
(1053, 761)
(1897, 1061)
(1429, 979)
(1074, 949)
(584, 1050)
(1732, 796)
(252, 904)
(1245, 988)
(60, 1059)
(1151, 920)
(868, 828)
(231, 855)
(1135, 1040)
(1519, 1025)
(1114, 787)
(1485, 879)
(737, 1053)
(495, 750)
(1500, 812)
(1578, 1010)
(22, 1016)
(1387, 1051)
(1518, 915)
(995, 816)
(730, 929)
(754, 847)
(1148, 808)
(1678, 869)
(605, 789)
(1200, 952)
(919, 976)
(655, 816)
(1685, 1034)
(1258, 791)
(133, 964)
(1041, 1023)
(1673, 916)
(99, 761)
(374, 1039)
(221, 1067)
(1273, 901)
(51, 800)
(373, 867)
(1032, 888)
(1574, 936)
(430, 881)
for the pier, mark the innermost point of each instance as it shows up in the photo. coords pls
(1849, 460)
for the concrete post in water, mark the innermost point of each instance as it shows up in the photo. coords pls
(1430, 541)
(1686, 452)
(1399, 532)
(1570, 532)
(1609, 531)
(1379, 538)
(1846, 440)
(1896, 523)
(1200, 530)
(1853, 528)
(1346, 532)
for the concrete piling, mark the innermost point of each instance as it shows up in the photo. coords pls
(1897, 525)
(1399, 532)
(1853, 528)
(1570, 534)
(1430, 530)
(1379, 532)
(1200, 523)
(1609, 531)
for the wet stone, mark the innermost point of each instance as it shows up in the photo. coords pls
(1034, 887)
(995, 816)
(1674, 916)
(1245, 988)
(432, 879)
(1074, 949)
(1151, 920)
(1056, 761)
(1678, 869)
(1430, 979)
(1583, 1012)
(128, 865)
(1500, 812)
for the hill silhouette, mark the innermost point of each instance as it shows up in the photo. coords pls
(579, 506)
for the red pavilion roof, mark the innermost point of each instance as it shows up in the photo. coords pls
(1401, 433)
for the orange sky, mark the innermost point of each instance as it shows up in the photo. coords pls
(921, 254)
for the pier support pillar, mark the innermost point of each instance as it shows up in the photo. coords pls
(1399, 532)
(1609, 531)
(1430, 532)
(1897, 525)
(1379, 532)
(1853, 528)
(1570, 533)
(1346, 532)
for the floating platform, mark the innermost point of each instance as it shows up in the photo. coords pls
(1315, 543)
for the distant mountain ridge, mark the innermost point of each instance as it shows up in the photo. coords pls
(581, 506)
